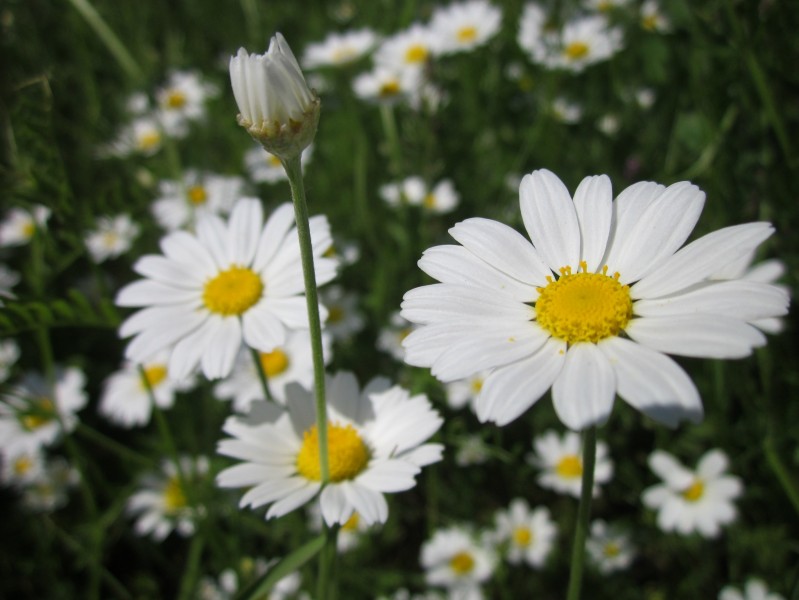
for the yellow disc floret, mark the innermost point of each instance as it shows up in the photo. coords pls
(462, 563)
(570, 467)
(275, 362)
(416, 54)
(175, 99)
(695, 491)
(153, 375)
(232, 292)
(197, 195)
(174, 498)
(584, 307)
(576, 50)
(389, 88)
(346, 451)
(466, 34)
(522, 536)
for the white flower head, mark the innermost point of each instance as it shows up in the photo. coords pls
(49, 491)
(592, 306)
(276, 106)
(566, 111)
(561, 462)
(375, 446)
(408, 49)
(291, 362)
(233, 282)
(652, 17)
(387, 85)
(755, 589)
(22, 467)
(112, 238)
(20, 225)
(609, 547)
(391, 336)
(265, 167)
(693, 501)
(472, 450)
(181, 203)
(528, 534)
(465, 391)
(339, 49)
(181, 100)
(455, 560)
(464, 26)
(144, 135)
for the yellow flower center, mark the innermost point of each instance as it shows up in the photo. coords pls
(232, 292)
(22, 465)
(174, 498)
(153, 375)
(416, 54)
(522, 536)
(570, 467)
(466, 34)
(40, 412)
(389, 88)
(462, 563)
(611, 550)
(604, 6)
(584, 307)
(476, 386)
(273, 161)
(695, 491)
(197, 195)
(650, 22)
(335, 314)
(352, 523)
(429, 201)
(149, 140)
(576, 50)
(28, 229)
(347, 455)
(175, 99)
(274, 363)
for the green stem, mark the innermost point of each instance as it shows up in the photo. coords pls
(110, 444)
(190, 573)
(389, 121)
(109, 38)
(780, 471)
(325, 588)
(583, 514)
(259, 367)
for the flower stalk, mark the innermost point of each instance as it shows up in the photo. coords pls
(583, 515)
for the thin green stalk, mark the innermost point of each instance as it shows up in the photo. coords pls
(389, 121)
(780, 471)
(252, 21)
(191, 571)
(259, 366)
(325, 587)
(583, 514)
(109, 38)
(112, 445)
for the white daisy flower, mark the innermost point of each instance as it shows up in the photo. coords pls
(609, 547)
(125, 399)
(609, 124)
(375, 446)
(693, 501)
(32, 415)
(408, 49)
(442, 198)
(113, 237)
(344, 318)
(49, 491)
(453, 559)
(291, 362)
(387, 85)
(529, 534)
(472, 450)
(652, 17)
(594, 307)
(561, 462)
(230, 582)
(755, 589)
(586, 41)
(339, 49)
(231, 282)
(182, 100)
(465, 391)
(161, 505)
(463, 26)
(390, 338)
(537, 37)
(181, 203)
(22, 468)
(566, 111)
(143, 135)
(9, 353)
(410, 190)
(20, 225)
(265, 167)
(645, 97)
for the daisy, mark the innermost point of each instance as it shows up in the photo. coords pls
(291, 362)
(585, 41)
(653, 19)
(265, 167)
(9, 353)
(472, 450)
(561, 463)
(339, 49)
(609, 547)
(755, 589)
(693, 501)
(144, 135)
(391, 337)
(161, 504)
(113, 237)
(464, 26)
(465, 391)
(442, 198)
(537, 36)
(608, 124)
(453, 559)
(410, 190)
(20, 225)
(566, 111)
(387, 85)
(408, 49)
(182, 100)
(592, 309)
(22, 468)
(231, 282)
(230, 582)
(125, 399)
(375, 443)
(344, 318)
(529, 535)
(49, 491)
(181, 203)
(32, 415)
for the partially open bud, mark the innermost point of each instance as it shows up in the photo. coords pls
(276, 106)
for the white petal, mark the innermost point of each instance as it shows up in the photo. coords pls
(269, 491)
(188, 351)
(550, 219)
(262, 329)
(705, 336)
(670, 470)
(222, 348)
(701, 258)
(146, 292)
(154, 339)
(443, 301)
(244, 230)
(293, 501)
(712, 464)
(583, 392)
(652, 382)
(160, 268)
(389, 476)
(184, 248)
(334, 504)
(212, 233)
(628, 207)
(275, 230)
(370, 505)
(293, 312)
(593, 201)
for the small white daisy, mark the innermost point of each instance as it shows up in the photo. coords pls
(472, 450)
(375, 446)
(391, 336)
(561, 462)
(410, 191)
(20, 225)
(609, 124)
(265, 167)
(652, 17)
(593, 307)
(143, 135)
(529, 534)
(455, 560)
(32, 415)
(9, 353)
(125, 399)
(465, 391)
(693, 501)
(230, 582)
(22, 468)
(161, 505)
(464, 26)
(566, 111)
(181, 203)
(50, 490)
(609, 547)
(113, 237)
(408, 49)
(291, 362)
(339, 49)
(344, 317)
(755, 589)
(232, 282)
(182, 100)
(387, 85)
